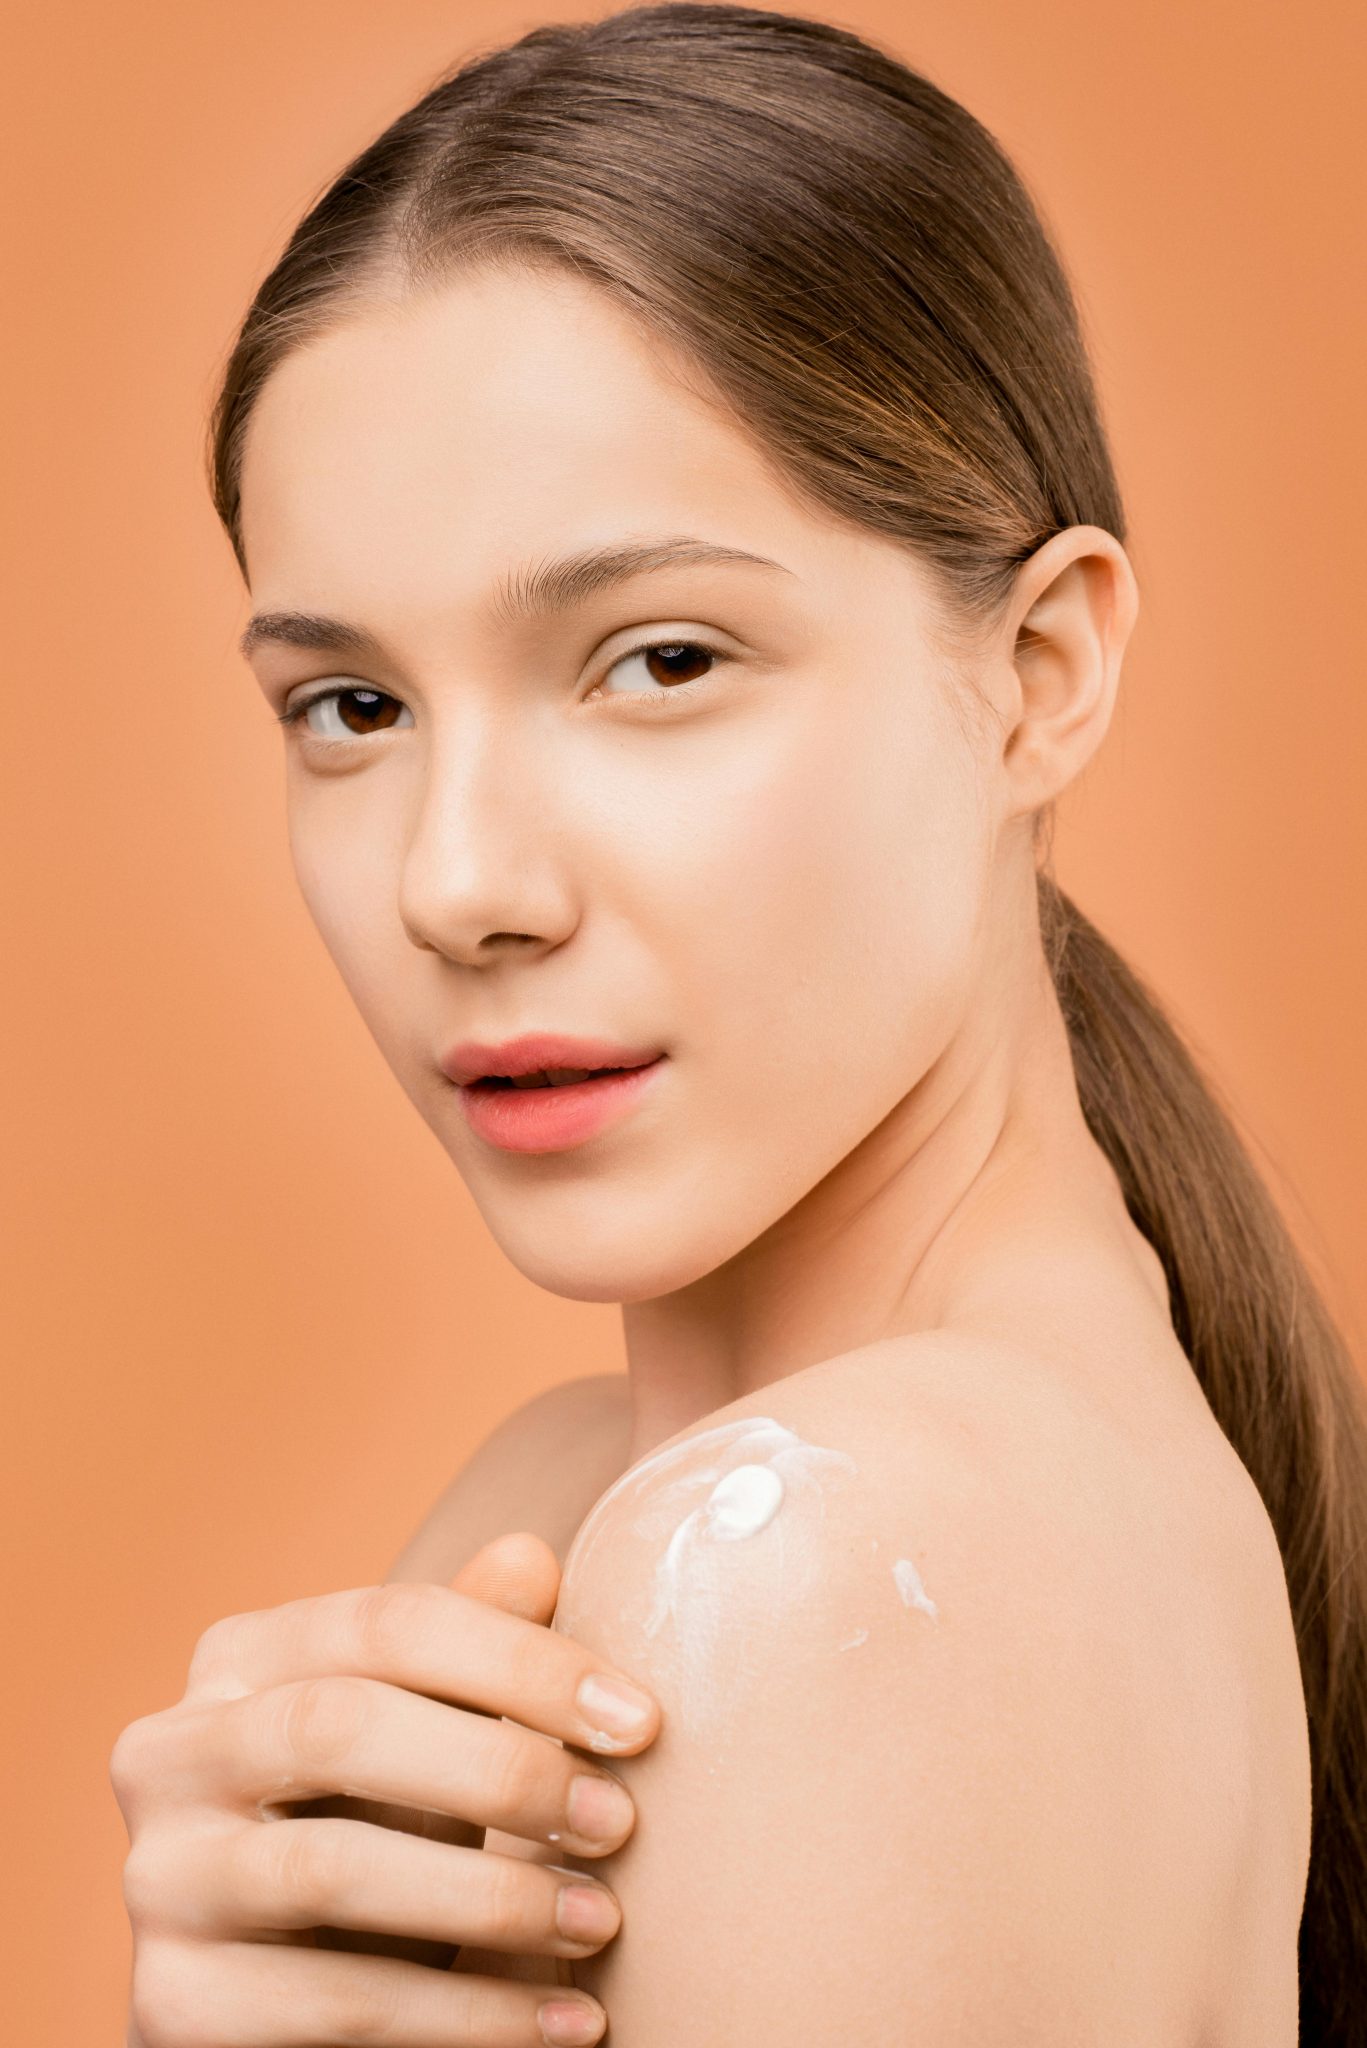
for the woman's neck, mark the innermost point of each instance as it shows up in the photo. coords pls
(920, 1226)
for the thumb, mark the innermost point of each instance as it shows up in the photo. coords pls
(518, 1572)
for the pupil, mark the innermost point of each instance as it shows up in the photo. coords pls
(692, 656)
(370, 699)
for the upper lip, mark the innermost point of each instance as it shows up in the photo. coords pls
(534, 1052)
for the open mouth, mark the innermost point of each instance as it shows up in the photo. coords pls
(549, 1077)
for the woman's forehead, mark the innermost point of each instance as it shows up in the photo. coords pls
(515, 410)
(493, 370)
(441, 439)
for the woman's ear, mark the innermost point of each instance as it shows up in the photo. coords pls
(1064, 638)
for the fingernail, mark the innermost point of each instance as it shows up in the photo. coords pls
(567, 2024)
(586, 1912)
(613, 1705)
(600, 1809)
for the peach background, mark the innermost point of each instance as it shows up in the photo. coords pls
(254, 1322)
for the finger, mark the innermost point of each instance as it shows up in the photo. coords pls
(265, 1995)
(378, 1742)
(518, 1572)
(337, 1873)
(413, 1820)
(433, 1640)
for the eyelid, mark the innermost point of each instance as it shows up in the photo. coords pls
(308, 694)
(660, 632)
(668, 638)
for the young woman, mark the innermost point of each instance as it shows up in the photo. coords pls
(687, 564)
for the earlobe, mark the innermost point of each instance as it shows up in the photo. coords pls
(1077, 602)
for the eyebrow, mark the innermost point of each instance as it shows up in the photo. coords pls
(527, 593)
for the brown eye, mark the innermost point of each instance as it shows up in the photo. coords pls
(667, 664)
(349, 714)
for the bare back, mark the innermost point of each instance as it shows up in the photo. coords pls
(1208, 1746)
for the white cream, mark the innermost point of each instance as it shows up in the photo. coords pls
(724, 1512)
(909, 1586)
(742, 1502)
(730, 1520)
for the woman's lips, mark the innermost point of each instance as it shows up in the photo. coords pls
(555, 1118)
(535, 1052)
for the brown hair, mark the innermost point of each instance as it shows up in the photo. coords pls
(858, 269)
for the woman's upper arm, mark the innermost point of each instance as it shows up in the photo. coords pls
(872, 1810)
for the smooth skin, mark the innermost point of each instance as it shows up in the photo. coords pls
(860, 1198)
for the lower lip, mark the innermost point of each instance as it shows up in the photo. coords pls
(553, 1119)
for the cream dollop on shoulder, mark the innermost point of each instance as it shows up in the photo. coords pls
(743, 1501)
(702, 1547)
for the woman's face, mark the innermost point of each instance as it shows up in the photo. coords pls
(766, 852)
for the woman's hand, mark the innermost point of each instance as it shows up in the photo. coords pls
(387, 1695)
(521, 1574)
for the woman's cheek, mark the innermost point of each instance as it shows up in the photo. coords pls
(347, 880)
(844, 971)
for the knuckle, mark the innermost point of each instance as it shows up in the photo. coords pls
(130, 1757)
(388, 1617)
(369, 2010)
(531, 1662)
(166, 2002)
(503, 1909)
(216, 1651)
(314, 1871)
(514, 1775)
(145, 1887)
(323, 1719)
(273, 1874)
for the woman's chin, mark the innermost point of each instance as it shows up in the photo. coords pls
(623, 1279)
(629, 1263)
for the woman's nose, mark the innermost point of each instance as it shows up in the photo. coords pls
(485, 868)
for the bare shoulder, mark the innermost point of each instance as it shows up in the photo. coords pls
(941, 1668)
(540, 1469)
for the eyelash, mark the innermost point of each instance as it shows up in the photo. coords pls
(683, 689)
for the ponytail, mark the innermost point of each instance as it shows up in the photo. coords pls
(1281, 1384)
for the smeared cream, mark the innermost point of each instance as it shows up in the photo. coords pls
(909, 1586)
(730, 1521)
(726, 1511)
